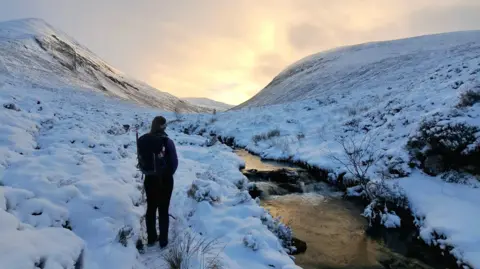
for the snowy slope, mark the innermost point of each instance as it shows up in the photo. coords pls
(35, 53)
(68, 186)
(400, 64)
(208, 103)
(378, 96)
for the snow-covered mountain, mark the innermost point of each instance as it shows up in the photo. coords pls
(34, 53)
(401, 65)
(208, 103)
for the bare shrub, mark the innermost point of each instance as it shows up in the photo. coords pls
(139, 246)
(240, 184)
(273, 133)
(282, 231)
(258, 138)
(242, 198)
(265, 136)
(210, 142)
(352, 111)
(357, 158)
(469, 98)
(11, 107)
(124, 234)
(201, 190)
(250, 242)
(283, 143)
(212, 120)
(187, 248)
(456, 177)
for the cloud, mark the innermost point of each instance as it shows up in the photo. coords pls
(267, 66)
(229, 50)
(306, 35)
(445, 18)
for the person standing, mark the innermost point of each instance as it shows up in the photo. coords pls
(157, 159)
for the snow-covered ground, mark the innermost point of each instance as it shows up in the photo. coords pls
(382, 108)
(208, 103)
(68, 186)
(446, 209)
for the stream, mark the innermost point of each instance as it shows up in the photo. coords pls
(332, 227)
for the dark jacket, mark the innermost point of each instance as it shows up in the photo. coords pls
(152, 143)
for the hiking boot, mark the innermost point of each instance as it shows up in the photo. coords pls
(151, 243)
(163, 244)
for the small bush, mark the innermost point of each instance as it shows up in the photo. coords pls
(41, 263)
(250, 242)
(352, 111)
(211, 141)
(241, 184)
(118, 130)
(357, 158)
(212, 120)
(456, 177)
(283, 143)
(188, 247)
(203, 191)
(282, 231)
(266, 136)
(139, 246)
(124, 234)
(450, 146)
(242, 197)
(469, 98)
(273, 133)
(11, 107)
(67, 225)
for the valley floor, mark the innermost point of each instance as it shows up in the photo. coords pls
(70, 195)
(310, 132)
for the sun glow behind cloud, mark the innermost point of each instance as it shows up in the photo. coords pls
(229, 50)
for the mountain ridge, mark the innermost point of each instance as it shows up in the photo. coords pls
(349, 67)
(34, 52)
(208, 103)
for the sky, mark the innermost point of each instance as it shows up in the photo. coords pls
(229, 50)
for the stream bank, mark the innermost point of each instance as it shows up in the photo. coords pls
(406, 249)
(336, 233)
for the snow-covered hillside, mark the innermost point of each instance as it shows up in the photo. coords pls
(208, 103)
(70, 195)
(34, 53)
(408, 110)
(401, 65)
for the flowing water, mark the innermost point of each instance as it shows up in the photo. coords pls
(332, 227)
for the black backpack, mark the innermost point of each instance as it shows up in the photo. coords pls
(151, 161)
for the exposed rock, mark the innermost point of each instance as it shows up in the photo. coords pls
(254, 191)
(300, 245)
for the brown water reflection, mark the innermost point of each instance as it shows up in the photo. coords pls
(332, 227)
(333, 230)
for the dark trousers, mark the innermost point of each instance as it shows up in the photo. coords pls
(159, 191)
